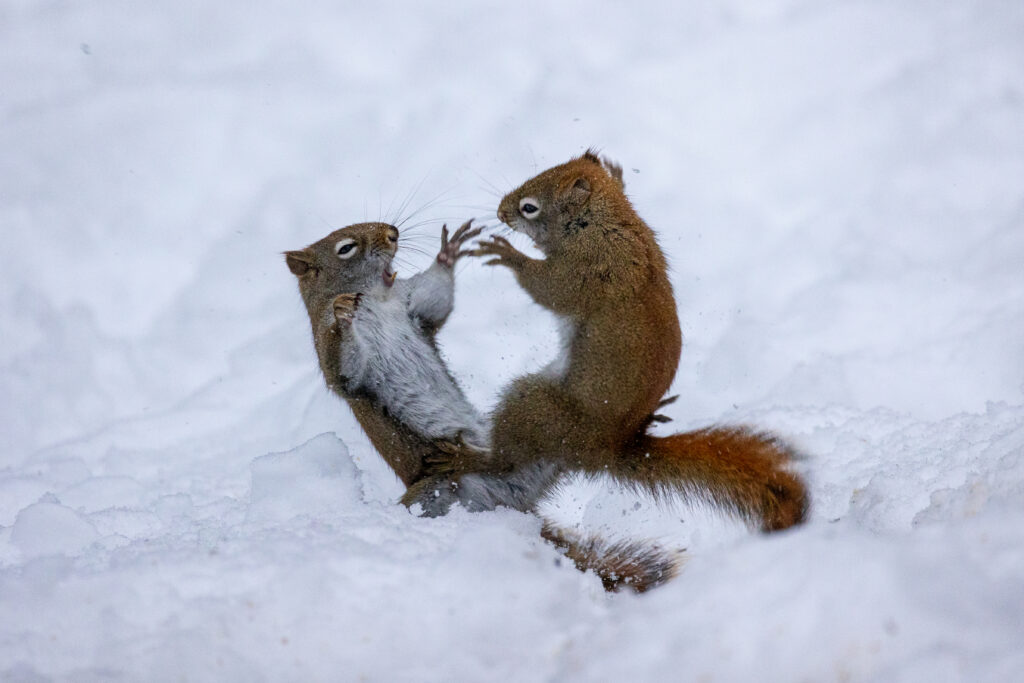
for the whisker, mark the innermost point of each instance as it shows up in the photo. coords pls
(416, 246)
(415, 239)
(418, 252)
(441, 219)
(509, 184)
(431, 203)
(394, 218)
(487, 208)
(491, 188)
(404, 264)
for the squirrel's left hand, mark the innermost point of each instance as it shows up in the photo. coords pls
(502, 249)
(345, 306)
(450, 250)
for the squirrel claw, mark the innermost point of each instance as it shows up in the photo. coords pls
(345, 306)
(503, 251)
(454, 455)
(464, 233)
(451, 249)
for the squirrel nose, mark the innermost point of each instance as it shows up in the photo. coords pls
(502, 216)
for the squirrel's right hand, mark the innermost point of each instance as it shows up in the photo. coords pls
(502, 249)
(345, 306)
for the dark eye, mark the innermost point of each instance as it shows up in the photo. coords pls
(529, 207)
(345, 248)
(392, 237)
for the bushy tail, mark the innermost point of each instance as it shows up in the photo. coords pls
(732, 468)
(621, 564)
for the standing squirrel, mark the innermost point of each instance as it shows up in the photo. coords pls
(374, 337)
(589, 411)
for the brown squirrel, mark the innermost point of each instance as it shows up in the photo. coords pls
(605, 278)
(374, 337)
(400, 392)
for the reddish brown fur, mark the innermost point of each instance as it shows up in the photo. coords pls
(637, 566)
(605, 272)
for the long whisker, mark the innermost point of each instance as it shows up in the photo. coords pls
(404, 263)
(491, 187)
(428, 221)
(394, 218)
(415, 239)
(401, 217)
(481, 211)
(412, 250)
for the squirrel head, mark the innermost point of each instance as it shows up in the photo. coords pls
(353, 258)
(555, 207)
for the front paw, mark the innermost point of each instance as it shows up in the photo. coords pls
(451, 250)
(345, 306)
(503, 251)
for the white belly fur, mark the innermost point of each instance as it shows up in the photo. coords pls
(404, 371)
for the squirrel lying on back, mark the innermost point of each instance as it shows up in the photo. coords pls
(605, 278)
(374, 337)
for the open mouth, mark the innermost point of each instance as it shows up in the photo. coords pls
(388, 276)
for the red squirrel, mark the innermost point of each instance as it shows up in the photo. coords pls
(605, 278)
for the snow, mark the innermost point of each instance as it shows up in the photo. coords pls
(838, 187)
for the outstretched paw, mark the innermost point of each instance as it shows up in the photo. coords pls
(503, 251)
(345, 306)
(451, 250)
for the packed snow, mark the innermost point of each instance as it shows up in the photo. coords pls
(839, 187)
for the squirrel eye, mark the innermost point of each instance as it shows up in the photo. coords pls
(529, 207)
(345, 248)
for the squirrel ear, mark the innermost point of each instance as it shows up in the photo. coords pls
(580, 189)
(299, 262)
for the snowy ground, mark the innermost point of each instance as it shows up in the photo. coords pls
(839, 187)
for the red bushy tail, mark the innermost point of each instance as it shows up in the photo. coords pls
(733, 468)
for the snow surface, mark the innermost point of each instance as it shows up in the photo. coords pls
(839, 187)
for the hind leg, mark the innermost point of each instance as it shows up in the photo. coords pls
(519, 489)
(537, 421)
